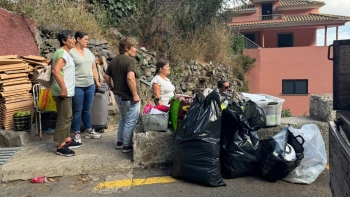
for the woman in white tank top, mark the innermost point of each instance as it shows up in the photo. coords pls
(163, 89)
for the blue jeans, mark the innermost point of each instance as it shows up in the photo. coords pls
(81, 106)
(130, 112)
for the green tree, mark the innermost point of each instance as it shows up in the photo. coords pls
(116, 9)
(238, 44)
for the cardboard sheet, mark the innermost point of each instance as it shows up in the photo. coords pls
(14, 67)
(9, 57)
(11, 83)
(35, 58)
(36, 63)
(11, 76)
(12, 93)
(16, 87)
(17, 71)
(14, 79)
(10, 61)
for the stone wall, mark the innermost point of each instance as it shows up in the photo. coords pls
(48, 44)
(321, 107)
(188, 77)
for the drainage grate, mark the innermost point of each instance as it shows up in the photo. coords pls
(7, 153)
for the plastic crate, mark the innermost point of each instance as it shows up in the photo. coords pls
(22, 123)
(272, 107)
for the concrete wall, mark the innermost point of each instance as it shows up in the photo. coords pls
(297, 12)
(301, 36)
(256, 16)
(275, 64)
(16, 35)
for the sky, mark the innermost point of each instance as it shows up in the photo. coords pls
(337, 7)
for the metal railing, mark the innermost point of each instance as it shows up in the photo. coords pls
(145, 82)
(242, 19)
(248, 43)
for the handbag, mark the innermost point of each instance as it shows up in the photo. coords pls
(104, 88)
(155, 122)
(45, 77)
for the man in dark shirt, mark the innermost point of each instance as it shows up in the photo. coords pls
(122, 73)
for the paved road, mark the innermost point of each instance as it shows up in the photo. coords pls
(156, 182)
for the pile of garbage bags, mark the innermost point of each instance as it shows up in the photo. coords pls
(197, 149)
(212, 144)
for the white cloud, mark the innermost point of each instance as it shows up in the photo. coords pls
(337, 7)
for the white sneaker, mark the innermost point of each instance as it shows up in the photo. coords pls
(77, 137)
(92, 134)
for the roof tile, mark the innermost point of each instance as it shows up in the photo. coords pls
(245, 7)
(282, 3)
(296, 18)
(299, 2)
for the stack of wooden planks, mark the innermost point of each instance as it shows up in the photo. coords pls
(15, 89)
(36, 65)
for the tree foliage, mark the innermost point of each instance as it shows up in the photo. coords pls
(238, 44)
(116, 9)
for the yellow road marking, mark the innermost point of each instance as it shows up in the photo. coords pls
(134, 182)
(327, 166)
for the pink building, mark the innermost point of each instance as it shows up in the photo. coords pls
(281, 35)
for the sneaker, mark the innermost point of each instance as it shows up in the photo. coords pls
(77, 137)
(92, 135)
(127, 149)
(73, 144)
(65, 151)
(119, 145)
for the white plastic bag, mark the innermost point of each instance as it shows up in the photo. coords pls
(315, 156)
(207, 91)
(45, 78)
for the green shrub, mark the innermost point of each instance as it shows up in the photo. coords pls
(238, 44)
(213, 43)
(53, 16)
(115, 10)
(286, 113)
(242, 64)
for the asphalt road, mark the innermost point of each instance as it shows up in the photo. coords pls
(88, 185)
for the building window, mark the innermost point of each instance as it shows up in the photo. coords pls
(297, 86)
(250, 44)
(285, 40)
(250, 36)
(266, 11)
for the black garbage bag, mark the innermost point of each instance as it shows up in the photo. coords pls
(239, 144)
(273, 154)
(255, 115)
(197, 144)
